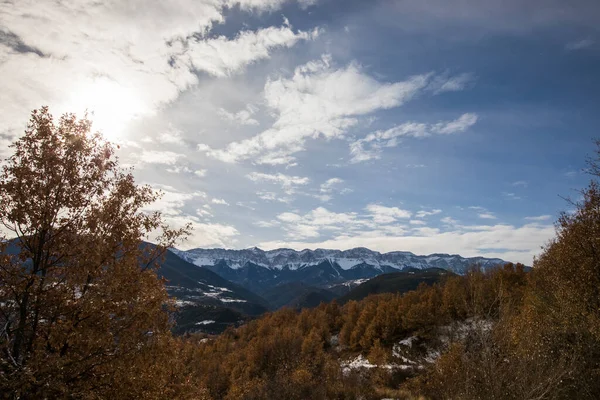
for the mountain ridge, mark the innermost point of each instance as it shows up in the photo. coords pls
(259, 270)
(347, 259)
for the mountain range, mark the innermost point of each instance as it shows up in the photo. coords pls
(217, 288)
(260, 271)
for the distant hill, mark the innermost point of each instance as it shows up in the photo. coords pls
(207, 319)
(397, 282)
(205, 301)
(297, 295)
(192, 284)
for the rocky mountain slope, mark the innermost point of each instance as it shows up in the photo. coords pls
(260, 271)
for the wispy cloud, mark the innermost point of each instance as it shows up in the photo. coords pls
(371, 146)
(171, 136)
(385, 215)
(220, 201)
(119, 76)
(313, 223)
(287, 182)
(319, 100)
(201, 173)
(539, 218)
(329, 184)
(424, 213)
(272, 196)
(579, 44)
(482, 212)
(450, 84)
(221, 56)
(449, 221)
(511, 196)
(521, 183)
(159, 157)
(242, 117)
(172, 206)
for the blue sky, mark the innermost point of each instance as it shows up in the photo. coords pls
(427, 126)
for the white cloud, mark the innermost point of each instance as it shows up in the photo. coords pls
(371, 146)
(266, 5)
(323, 197)
(477, 208)
(520, 183)
(171, 136)
(171, 205)
(220, 201)
(159, 157)
(449, 221)
(511, 196)
(450, 84)
(204, 234)
(386, 215)
(272, 196)
(246, 205)
(379, 220)
(423, 213)
(461, 124)
(287, 182)
(242, 117)
(172, 201)
(313, 223)
(580, 44)
(121, 60)
(222, 57)
(267, 224)
(483, 213)
(539, 218)
(178, 169)
(425, 231)
(417, 222)
(203, 212)
(317, 101)
(328, 185)
(200, 173)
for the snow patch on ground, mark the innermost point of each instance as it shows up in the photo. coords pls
(181, 303)
(358, 362)
(205, 322)
(361, 362)
(220, 289)
(408, 341)
(200, 261)
(346, 263)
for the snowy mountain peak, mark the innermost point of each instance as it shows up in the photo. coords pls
(359, 257)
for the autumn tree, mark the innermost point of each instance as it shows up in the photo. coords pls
(81, 307)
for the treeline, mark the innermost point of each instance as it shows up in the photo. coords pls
(297, 355)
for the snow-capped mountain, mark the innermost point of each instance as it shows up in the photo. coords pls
(257, 269)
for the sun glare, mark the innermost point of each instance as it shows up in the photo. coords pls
(111, 106)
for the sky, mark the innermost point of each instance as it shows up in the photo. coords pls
(427, 126)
